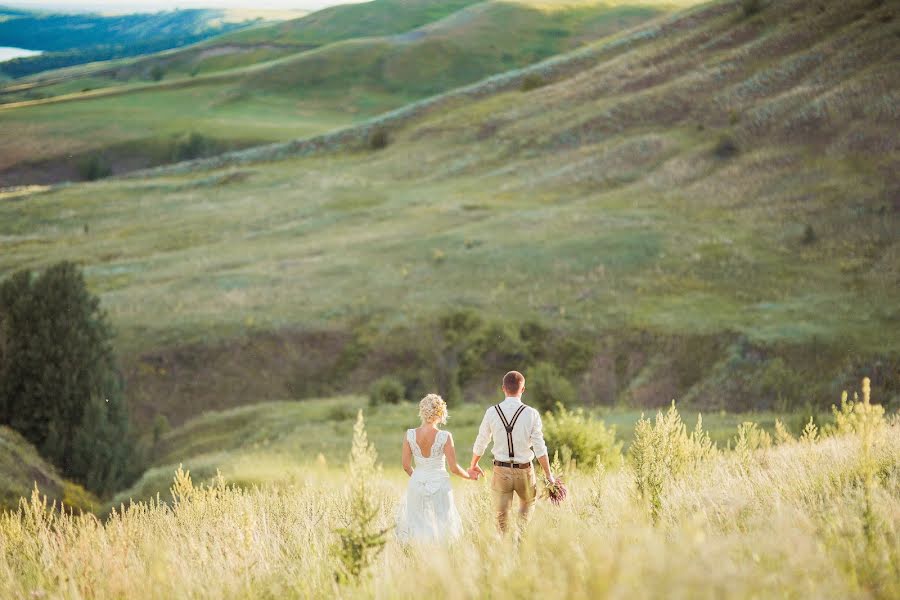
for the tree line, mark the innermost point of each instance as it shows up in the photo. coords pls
(73, 39)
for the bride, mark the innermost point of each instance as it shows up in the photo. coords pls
(427, 512)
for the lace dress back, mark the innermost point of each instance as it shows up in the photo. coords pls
(435, 461)
(427, 512)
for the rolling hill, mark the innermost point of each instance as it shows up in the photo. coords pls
(319, 86)
(257, 44)
(705, 206)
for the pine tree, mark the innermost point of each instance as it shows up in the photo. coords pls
(59, 386)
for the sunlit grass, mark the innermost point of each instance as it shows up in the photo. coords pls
(275, 441)
(787, 521)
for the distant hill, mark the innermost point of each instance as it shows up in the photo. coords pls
(209, 93)
(267, 41)
(703, 207)
(475, 42)
(72, 39)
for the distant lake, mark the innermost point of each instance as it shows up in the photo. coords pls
(9, 53)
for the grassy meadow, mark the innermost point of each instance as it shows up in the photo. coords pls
(810, 517)
(276, 442)
(644, 202)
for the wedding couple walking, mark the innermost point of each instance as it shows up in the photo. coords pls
(428, 512)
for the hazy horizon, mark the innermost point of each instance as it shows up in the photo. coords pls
(157, 5)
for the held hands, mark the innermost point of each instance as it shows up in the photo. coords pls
(475, 472)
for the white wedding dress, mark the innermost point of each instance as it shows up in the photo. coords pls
(427, 513)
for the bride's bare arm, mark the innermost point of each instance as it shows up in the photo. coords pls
(450, 453)
(407, 457)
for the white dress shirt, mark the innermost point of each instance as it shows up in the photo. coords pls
(527, 434)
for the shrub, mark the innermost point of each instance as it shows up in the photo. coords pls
(379, 139)
(587, 440)
(782, 434)
(663, 451)
(751, 7)
(547, 388)
(59, 385)
(778, 384)
(495, 343)
(189, 146)
(157, 73)
(855, 416)
(726, 147)
(750, 438)
(573, 355)
(386, 390)
(340, 413)
(359, 541)
(161, 427)
(532, 82)
(93, 167)
(810, 432)
(809, 235)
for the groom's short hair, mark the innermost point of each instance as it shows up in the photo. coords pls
(513, 382)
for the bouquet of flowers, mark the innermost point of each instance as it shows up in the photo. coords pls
(555, 490)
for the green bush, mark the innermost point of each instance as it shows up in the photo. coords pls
(780, 386)
(157, 73)
(751, 7)
(495, 343)
(573, 355)
(93, 167)
(726, 147)
(589, 441)
(161, 427)
(663, 451)
(546, 387)
(190, 146)
(379, 139)
(809, 235)
(386, 390)
(532, 82)
(59, 385)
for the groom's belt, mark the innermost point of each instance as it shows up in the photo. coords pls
(509, 465)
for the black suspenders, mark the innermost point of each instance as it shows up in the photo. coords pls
(508, 425)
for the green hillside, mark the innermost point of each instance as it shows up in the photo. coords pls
(702, 208)
(308, 92)
(21, 468)
(469, 45)
(255, 45)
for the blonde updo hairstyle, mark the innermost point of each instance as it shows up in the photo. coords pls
(433, 409)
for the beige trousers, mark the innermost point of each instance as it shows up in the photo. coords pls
(504, 483)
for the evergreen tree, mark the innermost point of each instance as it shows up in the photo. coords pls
(59, 386)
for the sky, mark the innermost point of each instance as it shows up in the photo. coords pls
(155, 5)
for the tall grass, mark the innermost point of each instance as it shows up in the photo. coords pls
(798, 519)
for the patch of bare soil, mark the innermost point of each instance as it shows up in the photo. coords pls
(182, 382)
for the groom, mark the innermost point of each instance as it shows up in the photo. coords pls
(519, 426)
